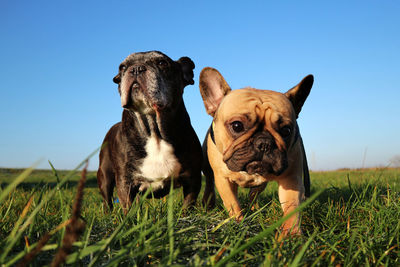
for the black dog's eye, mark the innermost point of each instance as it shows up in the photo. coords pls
(237, 126)
(285, 131)
(122, 67)
(163, 63)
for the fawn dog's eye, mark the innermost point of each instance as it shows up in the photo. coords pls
(237, 126)
(285, 131)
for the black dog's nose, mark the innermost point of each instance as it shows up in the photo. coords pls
(138, 69)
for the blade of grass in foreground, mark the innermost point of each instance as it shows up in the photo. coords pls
(114, 236)
(10, 242)
(20, 178)
(103, 244)
(108, 241)
(129, 249)
(12, 200)
(170, 216)
(33, 246)
(267, 231)
(300, 254)
(76, 227)
(11, 237)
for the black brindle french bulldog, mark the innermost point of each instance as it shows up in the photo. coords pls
(155, 142)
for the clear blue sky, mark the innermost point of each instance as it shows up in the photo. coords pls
(58, 58)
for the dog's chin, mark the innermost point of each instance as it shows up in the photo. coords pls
(264, 168)
(141, 107)
(160, 107)
(159, 104)
(148, 108)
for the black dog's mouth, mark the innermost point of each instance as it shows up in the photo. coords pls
(146, 100)
(158, 103)
(135, 85)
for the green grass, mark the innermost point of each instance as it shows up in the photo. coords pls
(354, 221)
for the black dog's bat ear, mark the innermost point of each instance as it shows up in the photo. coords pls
(187, 66)
(117, 79)
(298, 94)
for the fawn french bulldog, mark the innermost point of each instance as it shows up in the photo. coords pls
(254, 138)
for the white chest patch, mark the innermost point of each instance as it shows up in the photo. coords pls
(160, 162)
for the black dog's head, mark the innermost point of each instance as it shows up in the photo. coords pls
(150, 82)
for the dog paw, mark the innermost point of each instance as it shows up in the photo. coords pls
(289, 230)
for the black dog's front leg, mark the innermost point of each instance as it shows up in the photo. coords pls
(191, 188)
(106, 183)
(126, 193)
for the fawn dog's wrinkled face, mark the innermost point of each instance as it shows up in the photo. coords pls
(150, 82)
(254, 129)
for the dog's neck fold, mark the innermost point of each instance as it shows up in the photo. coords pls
(157, 124)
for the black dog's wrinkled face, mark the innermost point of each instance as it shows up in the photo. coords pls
(150, 82)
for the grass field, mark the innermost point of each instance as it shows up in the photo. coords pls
(354, 221)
